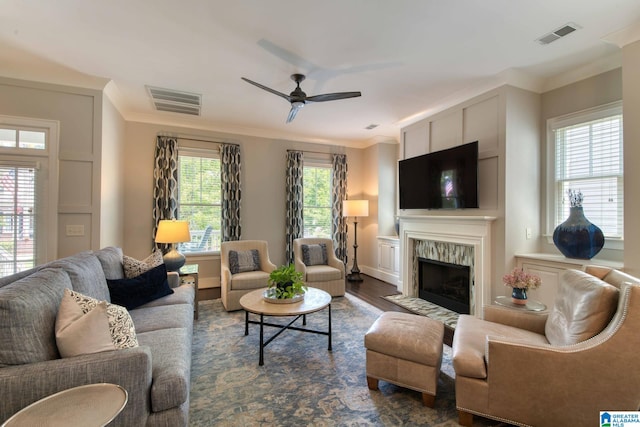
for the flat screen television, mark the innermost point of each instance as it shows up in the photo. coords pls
(446, 179)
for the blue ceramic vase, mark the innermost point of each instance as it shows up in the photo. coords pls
(519, 296)
(577, 237)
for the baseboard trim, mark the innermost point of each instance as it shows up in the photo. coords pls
(381, 275)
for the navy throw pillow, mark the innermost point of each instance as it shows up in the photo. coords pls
(139, 290)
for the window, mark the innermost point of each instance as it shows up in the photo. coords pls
(199, 200)
(589, 158)
(317, 201)
(27, 184)
(17, 219)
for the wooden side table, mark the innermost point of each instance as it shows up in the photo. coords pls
(87, 405)
(191, 270)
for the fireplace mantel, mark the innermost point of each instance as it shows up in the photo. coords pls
(472, 231)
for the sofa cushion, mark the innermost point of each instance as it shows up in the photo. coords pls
(111, 259)
(315, 254)
(85, 325)
(86, 274)
(244, 261)
(28, 309)
(148, 319)
(133, 267)
(183, 294)
(584, 305)
(139, 290)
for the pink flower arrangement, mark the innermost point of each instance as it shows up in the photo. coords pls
(518, 278)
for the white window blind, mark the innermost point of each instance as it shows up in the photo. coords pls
(200, 198)
(17, 218)
(317, 201)
(589, 158)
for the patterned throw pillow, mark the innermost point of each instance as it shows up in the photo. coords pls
(134, 268)
(243, 261)
(315, 254)
(86, 325)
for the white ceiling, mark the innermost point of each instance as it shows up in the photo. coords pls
(409, 58)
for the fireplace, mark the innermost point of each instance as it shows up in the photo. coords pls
(445, 284)
(468, 242)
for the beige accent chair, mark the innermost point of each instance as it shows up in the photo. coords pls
(329, 277)
(555, 369)
(233, 286)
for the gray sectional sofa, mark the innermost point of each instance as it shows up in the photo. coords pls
(156, 374)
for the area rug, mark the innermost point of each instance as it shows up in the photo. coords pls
(425, 308)
(301, 382)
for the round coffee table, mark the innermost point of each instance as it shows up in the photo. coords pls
(86, 405)
(254, 302)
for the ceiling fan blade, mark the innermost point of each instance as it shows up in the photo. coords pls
(268, 89)
(333, 96)
(295, 106)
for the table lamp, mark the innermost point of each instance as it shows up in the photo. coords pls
(172, 232)
(355, 208)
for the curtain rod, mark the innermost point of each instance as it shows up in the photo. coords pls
(313, 152)
(206, 140)
(197, 139)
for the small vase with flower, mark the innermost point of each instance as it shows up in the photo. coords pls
(520, 282)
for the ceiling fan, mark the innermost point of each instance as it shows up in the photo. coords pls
(298, 98)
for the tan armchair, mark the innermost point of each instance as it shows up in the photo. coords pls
(327, 274)
(243, 272)
(555, 369)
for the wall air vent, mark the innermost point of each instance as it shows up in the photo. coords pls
(558, 33)
(174, 101)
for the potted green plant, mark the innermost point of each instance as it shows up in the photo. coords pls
(286, 283)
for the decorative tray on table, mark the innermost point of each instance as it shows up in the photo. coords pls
(270, 296)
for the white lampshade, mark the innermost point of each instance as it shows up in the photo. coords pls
(357, 208)
(173, 231)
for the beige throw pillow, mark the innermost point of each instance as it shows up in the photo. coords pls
(134, 268)
(85, 325)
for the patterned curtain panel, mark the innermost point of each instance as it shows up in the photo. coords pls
(165, 178)
(230, 166)
(295, 220)
(338, 194)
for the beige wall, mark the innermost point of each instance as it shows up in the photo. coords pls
(584, 94)
(263, 188)
(112, 176)
(379, 187)
(631, 108)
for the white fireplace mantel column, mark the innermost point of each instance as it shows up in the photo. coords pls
(464, 230)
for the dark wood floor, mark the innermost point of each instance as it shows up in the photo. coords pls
(372, 290)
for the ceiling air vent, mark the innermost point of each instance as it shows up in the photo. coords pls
(174, 101)
(372, 126)
(558, 33)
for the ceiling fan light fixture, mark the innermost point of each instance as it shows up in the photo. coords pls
(298, 98)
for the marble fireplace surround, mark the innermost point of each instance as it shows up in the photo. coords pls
(471, 232)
